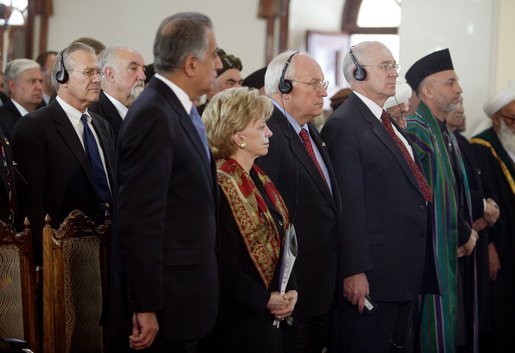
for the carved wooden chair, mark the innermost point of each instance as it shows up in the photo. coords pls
(18, 318)
(74, 284)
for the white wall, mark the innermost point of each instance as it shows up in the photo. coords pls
(320, 15)
(134, 23)
(465, 27)
(506, 47)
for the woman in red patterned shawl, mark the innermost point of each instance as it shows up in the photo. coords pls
(253, 220)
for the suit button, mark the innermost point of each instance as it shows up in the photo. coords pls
(422, 207)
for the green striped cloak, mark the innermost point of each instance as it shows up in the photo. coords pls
(438, 312)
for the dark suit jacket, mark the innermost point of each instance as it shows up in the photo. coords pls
(384, 212)
(165, 220)
(9, 115)
(5, 208)
(313, 211)
(105, 108)
(3, 98)
(55, 166)
(478, 192)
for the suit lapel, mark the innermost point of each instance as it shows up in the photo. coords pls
(3, 171)
(185, 122)
(325, 156)
(379, 130)
(69, 136)
(110, 111)
(302, 155)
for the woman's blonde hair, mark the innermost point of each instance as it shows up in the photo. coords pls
(230, 111)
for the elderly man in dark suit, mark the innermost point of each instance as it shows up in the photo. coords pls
(385, 209)
(165, 218)
(23, 83)
(123, 80)
(65, 153)
(299, 166)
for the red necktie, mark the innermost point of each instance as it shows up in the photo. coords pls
(422, 183)
(309, 148)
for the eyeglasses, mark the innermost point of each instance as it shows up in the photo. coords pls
(400, 115)
(509, 120)
(89, 72)
(385, 66)
(317, 85)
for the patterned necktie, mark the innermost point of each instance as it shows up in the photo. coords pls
(201, 129)
(309, 148)
(97, 168)
(422, 183)
(10, 182)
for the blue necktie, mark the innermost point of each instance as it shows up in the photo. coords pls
(201, 129)
(95, 162)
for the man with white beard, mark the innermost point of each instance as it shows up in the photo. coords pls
(123, 80)
(496, 150)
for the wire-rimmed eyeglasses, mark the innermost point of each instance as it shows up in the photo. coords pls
(89, 72)
(386, 66)
(317, 85)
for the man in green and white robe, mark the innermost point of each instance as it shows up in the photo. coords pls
(443, 323)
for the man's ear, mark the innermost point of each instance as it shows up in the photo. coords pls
(109, 74)
(427, 91)
(12, 86)
(190, 65)
(496, 122)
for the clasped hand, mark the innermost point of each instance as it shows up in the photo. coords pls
(281, 305)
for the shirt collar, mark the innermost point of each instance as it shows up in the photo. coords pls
(179, 92)
(73, 114)
(20, 108)
(294, 123)
(120, 107)
(374, 108)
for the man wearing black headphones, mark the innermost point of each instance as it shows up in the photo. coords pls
(51, 148)
(299, 166)
(385, 198)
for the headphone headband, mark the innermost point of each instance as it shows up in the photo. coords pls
(359, 73)
(285, 85)
(61, 76)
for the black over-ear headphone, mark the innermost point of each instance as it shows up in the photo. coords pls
(61, 75)
(359, 72)
(286, 86)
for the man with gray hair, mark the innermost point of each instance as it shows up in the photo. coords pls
(385, 201)
(23, 84)
(64, 152)
(299, 166)
(164, 262)
(123, 80)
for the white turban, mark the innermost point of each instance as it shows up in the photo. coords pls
(402, 94)
(499, 101)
